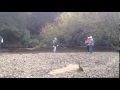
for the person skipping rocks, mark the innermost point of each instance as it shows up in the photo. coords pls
(54, 42)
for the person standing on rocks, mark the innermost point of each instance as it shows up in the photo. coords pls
(91, 44)
(87, 43)
(54, 42)
(1, 41)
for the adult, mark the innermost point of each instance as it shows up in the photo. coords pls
(91, 44)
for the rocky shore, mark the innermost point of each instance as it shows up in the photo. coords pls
(39, 65)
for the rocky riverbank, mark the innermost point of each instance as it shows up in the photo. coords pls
(39, 65)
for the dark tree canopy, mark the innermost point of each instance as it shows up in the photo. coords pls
(31, 29)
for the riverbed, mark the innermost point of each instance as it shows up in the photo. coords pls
(40, 64)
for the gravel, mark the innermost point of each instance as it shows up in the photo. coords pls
(38, 65)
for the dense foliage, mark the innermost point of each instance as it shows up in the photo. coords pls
(31, 29)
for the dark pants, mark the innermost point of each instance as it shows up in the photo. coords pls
(88, 48)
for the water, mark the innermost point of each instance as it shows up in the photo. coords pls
(59, 50)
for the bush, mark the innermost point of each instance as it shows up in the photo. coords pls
(33, 43)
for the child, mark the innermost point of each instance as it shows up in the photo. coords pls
(87, 43)
(54, 42)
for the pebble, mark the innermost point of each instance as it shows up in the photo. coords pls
(38, 65)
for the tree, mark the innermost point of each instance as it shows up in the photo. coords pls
(13, 29)
(37, 20)
(74, 27)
